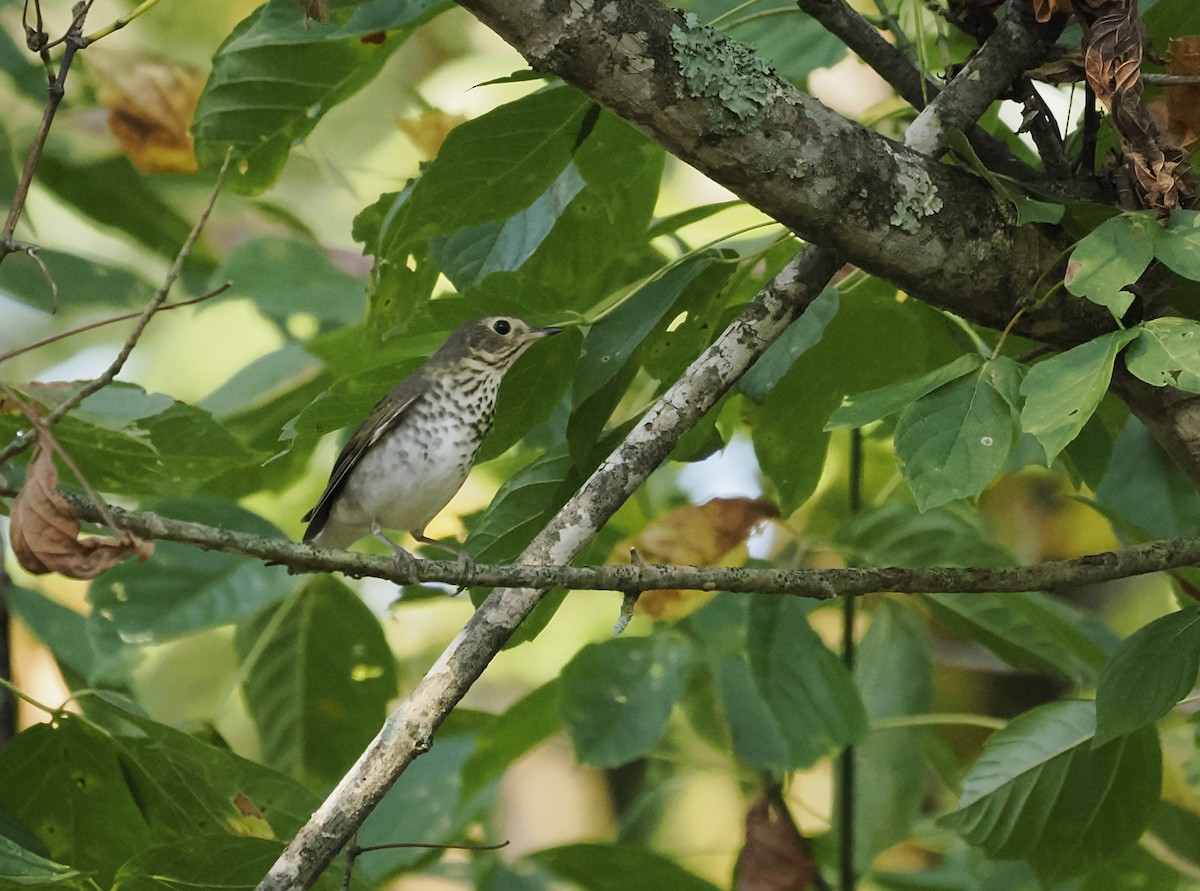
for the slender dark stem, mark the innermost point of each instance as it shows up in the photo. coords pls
(846, 846)
(74, 42)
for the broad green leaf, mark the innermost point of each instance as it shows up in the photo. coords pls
(894, 672)
(227, 862)
(1155, 667)
(800, 336)
(67, 635)
(1171, 18)
(427, 805)
(612, 341)
(897, 534)
(1062, 392)
(856, 352)
(808, 694)
(526, 724)
(274, 78)
(1166, 352)
(677, 221)
(184, 590)
(618, 867)
(1134, 868)
(489, 168)
(23, 868)
(83, 284)
(1112, 257)
(261, 383)
(1039, 791)
(615, 697)
(864, 408)
(469, 255)
(113, 193)
(283, 276)
(1029, 210)
(65, 783)
(954, 441)
(186, 787)
(319, 680)
(1144, 486)
(1025, 630)
(793, 45)
(1178, 246)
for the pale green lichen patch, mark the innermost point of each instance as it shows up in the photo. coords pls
(716, 68)
(918, 198)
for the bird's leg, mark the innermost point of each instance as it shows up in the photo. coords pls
(466, 563)
(404, 560)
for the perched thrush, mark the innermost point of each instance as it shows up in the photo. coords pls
(415, 449)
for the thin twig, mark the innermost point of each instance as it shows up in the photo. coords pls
(120, 23)
(56, 90)
(123, 317)
(155, 304)
(1172, 80)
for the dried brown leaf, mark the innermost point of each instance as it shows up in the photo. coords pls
(317, 10)
(1045, 9)
(775, 857)
(150, 109)
(1183, 101)
(44, 531)
(1112, 54)
(693, 535)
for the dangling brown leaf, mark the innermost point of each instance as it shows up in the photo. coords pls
(1062, 66)
(692, 536)
(1183, 100)
(44, 531)
(776, 856)
(1044, 10)
(150, 109)
(317, 10)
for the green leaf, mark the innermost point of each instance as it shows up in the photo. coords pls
(954, 441)
(1112, 257)
(113, 193)
(283, 276)
(856, 353)
(811, 703)
(208, 861)
(616, 867)
(1166, 353)
(894, 672)
(1028, 631)
(470, 255)
(1144, 486)
(612, 341)
(897, 534)
(526, 724)
(677, 221)
(616, 696)
(184, 590)
(1154, 668)
(1062, 392)
(1041, 793)
(274, 78)
(319, 680)
(862, 409)
(1178, 246)
(83, 284)
(65, 783)
(23, 868)
(443, 816)
(801, 336)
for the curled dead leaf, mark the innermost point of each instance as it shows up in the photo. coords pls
(693, 535)
(776, 857)
(44, 531)
(1112, 54)
(150, 109)
(1044, 10)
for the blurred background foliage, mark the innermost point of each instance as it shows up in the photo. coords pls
(225, 697)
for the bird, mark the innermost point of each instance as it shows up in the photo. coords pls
(416, 447)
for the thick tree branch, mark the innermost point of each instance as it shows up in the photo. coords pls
(821, 584)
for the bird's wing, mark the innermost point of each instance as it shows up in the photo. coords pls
(386, 414)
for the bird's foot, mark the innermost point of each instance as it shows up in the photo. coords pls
(466, 563)
(406, 563)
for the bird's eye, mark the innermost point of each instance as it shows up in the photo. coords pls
(501, 326)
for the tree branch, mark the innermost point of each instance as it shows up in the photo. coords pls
(820, 584)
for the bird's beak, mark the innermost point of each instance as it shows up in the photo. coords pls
(545, 332)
